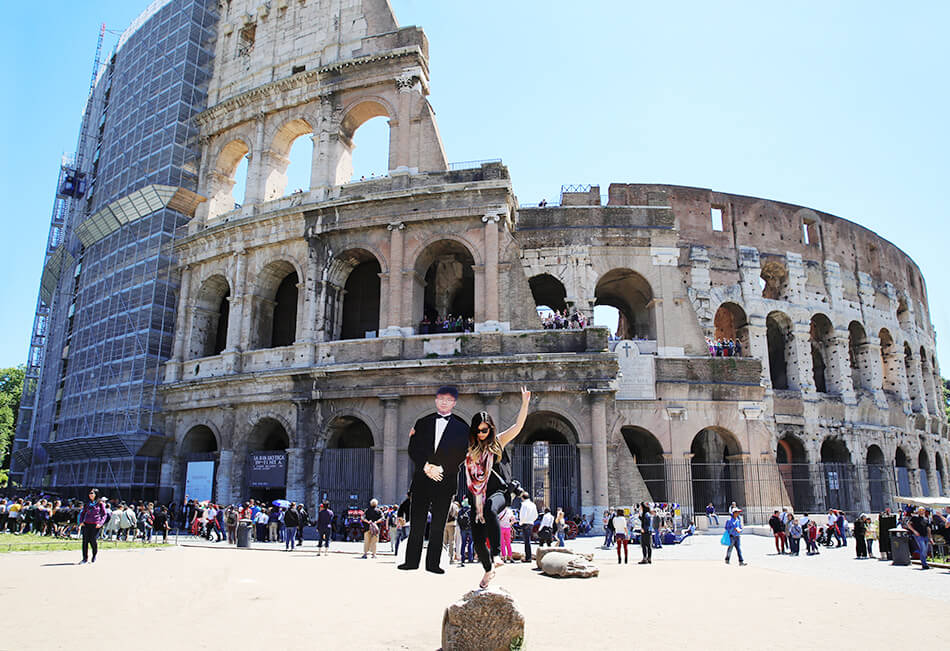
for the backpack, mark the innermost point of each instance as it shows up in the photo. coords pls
(464, 520)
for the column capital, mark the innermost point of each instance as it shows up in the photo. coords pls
(396, 226)
(492, 217)
(390, 401)
(489, 396)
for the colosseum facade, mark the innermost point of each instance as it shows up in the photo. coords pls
(304, 318)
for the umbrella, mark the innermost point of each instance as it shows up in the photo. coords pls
(284, 504)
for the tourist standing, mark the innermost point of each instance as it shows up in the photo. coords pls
(734, 529)
(448, 537)
(291, 521)
(860, 544)
(608, 531)
(505, 521)
(527, 514)
(92, 517)
(160, 523)
(919, 526)
(324, 528)
(620, 535)
(261, 523)
(546, 530)
(871, 534)
(646, 549)
(402, 523)
(464, 523)
(372, 519)
(794, 536)
(778, 532)
(811, 538)
(560, 525)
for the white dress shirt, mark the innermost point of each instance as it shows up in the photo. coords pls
(527, 512)
(440, 424)
(547, 520)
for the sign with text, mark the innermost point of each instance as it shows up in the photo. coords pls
(267, 470)
(199, 478)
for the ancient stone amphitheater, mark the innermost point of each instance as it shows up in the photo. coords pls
(306, 343)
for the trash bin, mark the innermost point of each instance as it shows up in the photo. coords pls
(900, 546)
(244, 533)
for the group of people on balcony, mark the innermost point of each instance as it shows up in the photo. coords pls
(562, 320)
(448, 323)
(724, 347)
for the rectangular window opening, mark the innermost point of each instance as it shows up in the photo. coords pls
(716, 215)
(294, 70)
(809, 232)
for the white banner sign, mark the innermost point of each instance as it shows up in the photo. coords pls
(199, 480)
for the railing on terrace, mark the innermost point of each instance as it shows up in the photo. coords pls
(471, 164)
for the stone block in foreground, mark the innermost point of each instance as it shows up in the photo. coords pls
(483, 620)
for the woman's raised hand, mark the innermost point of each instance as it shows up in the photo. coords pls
(525, 395)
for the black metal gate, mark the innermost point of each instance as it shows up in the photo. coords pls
(346, 477)
(551, 473)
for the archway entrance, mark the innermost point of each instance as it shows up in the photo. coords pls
(648, 455)
(838, 471)
(793, 468)
(902, 471)
(732, 324)
(632, 296)
(199, 463)
(778, 334)
(923, 466)
(716, 470)
(545, 460)
(448, 293)
(346, 465)
(877, 478)
(360, 313)
(265, 476)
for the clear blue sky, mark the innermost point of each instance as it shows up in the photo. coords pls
(837, 106)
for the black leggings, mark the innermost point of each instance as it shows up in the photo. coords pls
(494, 504)
(645, 547)
(90, 536)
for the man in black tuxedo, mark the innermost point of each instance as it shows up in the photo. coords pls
(437, 446)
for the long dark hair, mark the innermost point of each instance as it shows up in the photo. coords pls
(476, 447)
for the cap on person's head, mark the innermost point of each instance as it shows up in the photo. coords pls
(448, 390)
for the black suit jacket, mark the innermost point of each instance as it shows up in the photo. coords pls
(450, 454)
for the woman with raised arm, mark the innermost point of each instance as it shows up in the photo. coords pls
(487, 473)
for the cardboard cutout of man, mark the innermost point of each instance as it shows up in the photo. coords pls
(437, 446)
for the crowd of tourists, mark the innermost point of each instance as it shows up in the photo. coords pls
(724, 347)
(563, 320)
(447, 323)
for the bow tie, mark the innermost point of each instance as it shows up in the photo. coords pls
(443, 417)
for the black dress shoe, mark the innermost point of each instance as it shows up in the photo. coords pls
(407, 566)
(435, 570)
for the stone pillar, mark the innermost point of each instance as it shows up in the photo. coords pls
(679, 484)
(490, 286)
(390, 494)
(236, 337)
(315, 474)
(395, 317)
(295, 480)
(223, 478)
(173, 366)
(799, 366)
(598, 435)
(490, 404)
(585, 451)
(399, 155)
(758, 345)
(915, 384)
(378, 473)
(256, 173)
(166, 481)
(840, 367)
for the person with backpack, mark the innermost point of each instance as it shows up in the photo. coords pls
(291, 521)
(464, 523)
(91, 518)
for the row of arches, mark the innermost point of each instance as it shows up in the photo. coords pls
(352, 298)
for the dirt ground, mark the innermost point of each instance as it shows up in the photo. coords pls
(238, 599)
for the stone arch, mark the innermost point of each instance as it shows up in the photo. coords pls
(774, 280)
(910, 372)
(548, 291)
(792, 460)
(631, 294)
(834, 450)
(941, 475)
(353, 294)
(444, 283)
(780, 341)
(890, 362)
(731, 323)
(274, 305)
(647, 453)
(356, 115)
(923, 471)
(903, 312)
(221, 179)
(269, 432)
(821, 336)
(927, 378)
(209, 322)
(545, 460)
(859, 357)
(202, 438)
(277, 158)
(270, 436)
(348, 432)
(878, 485)
(347, 462)
(839, 476)
(716, 467)
(902, 466)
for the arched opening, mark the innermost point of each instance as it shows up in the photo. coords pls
(928, 382)
(910, 372)
(821, 337)
(548, 291)
(266, 475)
(209, 327)
(877, 478)
(545, 460)
(346, 465)
(198, 466)
(716, 468)
(732, 325)
(608, 317)
(793, 467)
(445, 301)
(359, 316)
(903, 314)
(923, 472)
(941, 474)
(632, 296)
(274, 306)
(227, 180)
(890, 363)
(774, 282)
(859, 357)
(778, 335)
(288, 163)
(648, 456)
(838, 473)
(903, 472)
(377, 158)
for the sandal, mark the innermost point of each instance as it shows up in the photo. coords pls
(483, 584)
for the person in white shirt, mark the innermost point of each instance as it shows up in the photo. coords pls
(546, 531)
(621, 534)
(527, 514)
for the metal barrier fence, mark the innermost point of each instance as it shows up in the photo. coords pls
(551, 473)
(346, 477)
(760, 488)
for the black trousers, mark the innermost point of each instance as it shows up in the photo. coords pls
(422, 503)
(488, 529)
(90, 537)
(646, 548)
(526, 530)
